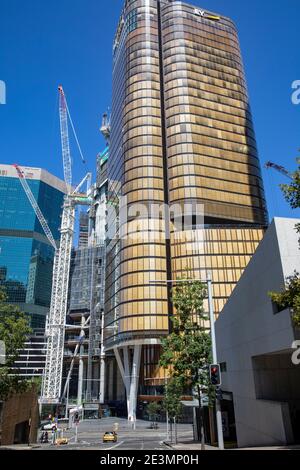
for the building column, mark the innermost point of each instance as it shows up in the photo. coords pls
(81, 366)
(102, 365)
(130, 371)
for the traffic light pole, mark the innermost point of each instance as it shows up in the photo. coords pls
(215, 360)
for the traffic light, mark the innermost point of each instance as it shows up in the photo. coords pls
(215, 374)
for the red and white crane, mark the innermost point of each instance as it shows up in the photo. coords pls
(56, 320)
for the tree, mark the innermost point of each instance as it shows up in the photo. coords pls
(153, 409)
(14, 328)
(289, 297)
(172, 398)
(292, 191)
(186, 351)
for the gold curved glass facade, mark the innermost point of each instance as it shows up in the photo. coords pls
(135, 308)
(181, 132)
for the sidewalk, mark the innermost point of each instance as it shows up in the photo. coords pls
(189, 445)
(20, 447)
(196, 446)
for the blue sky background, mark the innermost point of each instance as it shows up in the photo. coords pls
(47, 42)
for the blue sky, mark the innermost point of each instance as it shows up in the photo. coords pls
(44, 43)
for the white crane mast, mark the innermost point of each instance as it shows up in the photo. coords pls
(55, 330)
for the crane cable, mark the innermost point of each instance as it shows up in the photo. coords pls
(74, 132)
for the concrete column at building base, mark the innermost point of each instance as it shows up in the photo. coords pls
(129, 370)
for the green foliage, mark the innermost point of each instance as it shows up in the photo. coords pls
(172, 399)
(153, 409)
(14, 328)
(291, 191)
(186, 351)
(289, 297)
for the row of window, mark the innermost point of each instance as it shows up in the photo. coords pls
(197, 129)
(138, 109)
(184, 39)
(153, 130)
(212, 262)
(202, 102)
(189, 56)
(210, 172)
(143, 264)
(142, 324)
(213, 195)
(205, 114)
(144, 178)
(180, 25)
(182, 10)
(140, 293)
(139, 104)
(248, 214)
(207, 249)
(194, 80)
(144, 170)
(182, 154)
(208, 118)
(191, 50)
(194, 70)
(143, 183)
(153, 163)
(206, 121)
(183, 31)
(220, 78)
(200, 139)
(207, 182)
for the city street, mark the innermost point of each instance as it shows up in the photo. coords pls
(90, 433)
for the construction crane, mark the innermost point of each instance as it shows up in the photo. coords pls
(55, 328)
(35, 206)
(279, 168)
(48, 233)
(56, 321)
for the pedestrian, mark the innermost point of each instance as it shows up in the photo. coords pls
(46, 438)
(54, 430)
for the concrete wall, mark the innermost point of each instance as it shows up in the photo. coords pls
(20, 408)
(247, 327)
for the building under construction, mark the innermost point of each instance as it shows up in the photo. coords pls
(85, 366)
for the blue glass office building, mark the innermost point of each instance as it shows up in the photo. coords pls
(26, 256)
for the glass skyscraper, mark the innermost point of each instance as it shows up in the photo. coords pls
(26, 256)
(181, 132)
